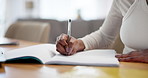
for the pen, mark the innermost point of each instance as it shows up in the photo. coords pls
(69, 33)
(69, 27)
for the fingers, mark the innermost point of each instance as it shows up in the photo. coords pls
(74, 46)
(132, 59)
(134, 56)
(133, 53)
(122, 56)
(65, 45)
(70, 49)
(61, 43)
(62, 39)
(73, 51)
(61, 49)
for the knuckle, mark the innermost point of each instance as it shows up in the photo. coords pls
(131, 58)
(131, 53)
(57, 45)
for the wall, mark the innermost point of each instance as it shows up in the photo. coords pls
(16, 9)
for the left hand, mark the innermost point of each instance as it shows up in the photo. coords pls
(134, 56)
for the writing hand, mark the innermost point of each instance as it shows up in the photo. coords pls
(134, 56)
(68, 45)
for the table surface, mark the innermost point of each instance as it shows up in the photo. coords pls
(125, 70)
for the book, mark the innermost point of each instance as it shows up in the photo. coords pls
(1, 56)
(47, 54)
(5, 41)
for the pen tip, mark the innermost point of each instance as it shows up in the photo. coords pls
(69, 20)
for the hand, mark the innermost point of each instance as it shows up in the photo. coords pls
(134, 56)
(68, 47)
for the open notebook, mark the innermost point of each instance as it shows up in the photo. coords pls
(47, 54)
(5, 41)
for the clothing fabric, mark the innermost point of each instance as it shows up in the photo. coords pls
(129, 16)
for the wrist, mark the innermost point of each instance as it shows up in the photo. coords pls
(81, 45)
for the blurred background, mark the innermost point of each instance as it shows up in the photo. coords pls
(87, 16)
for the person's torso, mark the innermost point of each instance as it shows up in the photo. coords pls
(134, 29)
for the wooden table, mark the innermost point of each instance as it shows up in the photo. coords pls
(125, 70)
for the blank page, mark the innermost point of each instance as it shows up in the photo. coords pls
(91, 57)
(44, 52)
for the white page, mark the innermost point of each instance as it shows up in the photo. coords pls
(43, 51)
(2, 57)
(91, 57)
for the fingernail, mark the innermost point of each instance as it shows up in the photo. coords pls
(70, 52)
(119, 59)
(67, 50)
(116, 56)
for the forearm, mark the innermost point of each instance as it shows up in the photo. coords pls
(97, 40)
(104, 37)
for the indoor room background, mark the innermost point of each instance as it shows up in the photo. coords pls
(87, 15)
